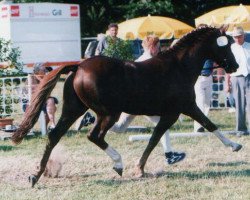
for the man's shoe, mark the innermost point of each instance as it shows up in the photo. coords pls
(174, 157)
(86, 120)
(201, 129)
(50, 128)
(242, 133)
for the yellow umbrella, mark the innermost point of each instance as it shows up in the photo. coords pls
(232, 15)
(163, 27)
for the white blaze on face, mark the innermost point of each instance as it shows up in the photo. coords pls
(222, 41)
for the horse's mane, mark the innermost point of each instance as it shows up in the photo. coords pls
(190, 40)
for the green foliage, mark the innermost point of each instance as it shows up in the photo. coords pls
(37, 1)
(6, 96)
(12, 55)
(146, 7)
(119, 49)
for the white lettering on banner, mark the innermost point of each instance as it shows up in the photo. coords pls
(15, 11)
(56, 12)
(32, 13)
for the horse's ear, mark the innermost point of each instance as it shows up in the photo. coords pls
(223, 28)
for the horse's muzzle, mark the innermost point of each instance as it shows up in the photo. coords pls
(229, 68)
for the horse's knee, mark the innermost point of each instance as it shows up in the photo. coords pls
(99, 141)
(92, 138)
(54, 137)
(211, 127)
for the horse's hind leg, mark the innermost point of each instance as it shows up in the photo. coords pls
(197, 115)
(97, 135)
(164, 124)
(72, 109)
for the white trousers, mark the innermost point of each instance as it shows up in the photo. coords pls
(126, 119)
(203, 92)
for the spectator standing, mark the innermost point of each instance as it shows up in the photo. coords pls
(91, 48)
(49, 108)
(203, 91)
(104, 41)
(239, 82)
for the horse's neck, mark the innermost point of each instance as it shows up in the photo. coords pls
(194, 61)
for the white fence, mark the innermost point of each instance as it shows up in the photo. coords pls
(12, 99)
(220, 99)
(15, 94)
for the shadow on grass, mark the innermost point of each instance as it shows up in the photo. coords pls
(177, 175)
(70, 133)
(228, 164)
(206, 174)
(77, 176)
(6, 148)
(33, 136)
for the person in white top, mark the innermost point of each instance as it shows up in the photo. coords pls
(151, 47)
(203, 91)
(239, 82)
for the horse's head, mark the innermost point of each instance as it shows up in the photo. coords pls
(221, 50)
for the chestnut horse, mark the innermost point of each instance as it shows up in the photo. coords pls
(163, 86)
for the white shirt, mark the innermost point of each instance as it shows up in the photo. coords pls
(146, 55)
(242, 57)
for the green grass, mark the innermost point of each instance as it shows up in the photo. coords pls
(209, 172)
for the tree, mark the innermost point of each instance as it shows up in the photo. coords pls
(146, 7)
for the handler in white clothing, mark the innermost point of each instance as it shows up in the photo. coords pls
(239, 81)
(203, 91)
(151, 47)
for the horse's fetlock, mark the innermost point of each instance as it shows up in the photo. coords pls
(117, 158)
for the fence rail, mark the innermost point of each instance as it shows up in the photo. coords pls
(15, 92)
(220, 99)
(12, 96)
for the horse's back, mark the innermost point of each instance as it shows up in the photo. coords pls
(113, 85)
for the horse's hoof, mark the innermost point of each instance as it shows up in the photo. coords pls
(32, 180)
(118, 170)
(139, 174)
(236, 147)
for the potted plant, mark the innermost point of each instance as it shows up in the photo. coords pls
(10, 67)
(120, 49)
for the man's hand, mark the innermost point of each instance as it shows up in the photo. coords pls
(228, 85)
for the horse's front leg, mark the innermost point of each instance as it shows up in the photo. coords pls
(195, 113)
(97, 135)
(164, 124)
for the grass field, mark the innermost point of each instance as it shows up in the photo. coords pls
(209, 172)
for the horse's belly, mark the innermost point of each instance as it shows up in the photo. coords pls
(152, 106)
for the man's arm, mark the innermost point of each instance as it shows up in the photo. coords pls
(100, 47)
(228, 85)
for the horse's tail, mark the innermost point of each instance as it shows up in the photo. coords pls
(42, 92)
